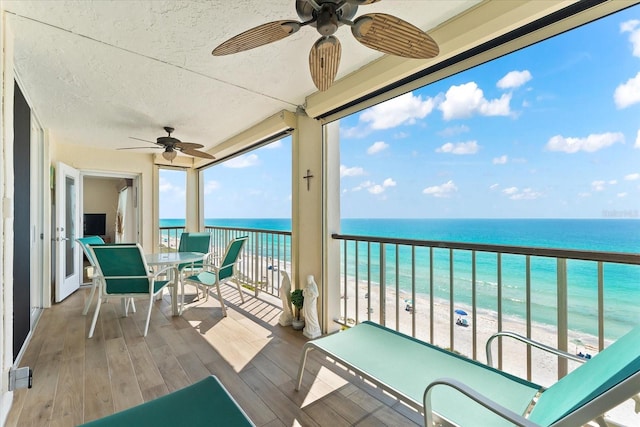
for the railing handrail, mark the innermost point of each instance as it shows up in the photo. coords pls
(585, 255)
(249, 230)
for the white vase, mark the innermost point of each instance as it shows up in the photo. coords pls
(298, 325)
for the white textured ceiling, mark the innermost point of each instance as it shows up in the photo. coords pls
(99, 72)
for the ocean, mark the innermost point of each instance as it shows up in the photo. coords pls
(622, 282)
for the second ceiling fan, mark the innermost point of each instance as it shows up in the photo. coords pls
(385, 33)
(172, 145)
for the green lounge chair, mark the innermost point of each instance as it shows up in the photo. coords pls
(215, 275)
(124, 273)
(465, 392)
(205, 403)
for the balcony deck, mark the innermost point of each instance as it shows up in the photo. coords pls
(76, 379)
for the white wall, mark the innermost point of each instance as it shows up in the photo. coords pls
(100, 195)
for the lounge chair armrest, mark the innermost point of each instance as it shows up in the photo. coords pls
(472, 394)
(531, 343)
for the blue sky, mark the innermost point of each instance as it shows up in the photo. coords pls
(551, 131)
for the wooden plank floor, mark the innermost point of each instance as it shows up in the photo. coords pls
(76, 379)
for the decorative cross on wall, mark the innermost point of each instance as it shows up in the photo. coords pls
(308, 178)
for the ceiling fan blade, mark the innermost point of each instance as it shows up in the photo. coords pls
(187, 145)
(324, 60)
(139, 148)
(197, 153)
(362, 2)
(258, 36)
(143, 140)
(392, 35)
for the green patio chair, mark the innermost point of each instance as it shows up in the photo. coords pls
(205, 403)
(214, 275)
(124, 273)
(84, 243)
(194, 242)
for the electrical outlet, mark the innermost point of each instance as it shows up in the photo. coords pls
(20, 378)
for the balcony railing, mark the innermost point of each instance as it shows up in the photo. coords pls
(265, 255)
(417, 286)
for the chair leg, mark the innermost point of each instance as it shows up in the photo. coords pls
(133, 305)
(240, 291)
(95, 317)
(224, 309)
(182, 294)
(88, 303)
(146, 326)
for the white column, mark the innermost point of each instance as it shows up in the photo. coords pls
(193, 206)
(315, 213)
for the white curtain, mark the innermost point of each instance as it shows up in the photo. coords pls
(121, 215)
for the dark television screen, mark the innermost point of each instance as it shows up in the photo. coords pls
(95, 224)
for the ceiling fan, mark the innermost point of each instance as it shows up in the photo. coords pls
(379, 31)
(172, 145)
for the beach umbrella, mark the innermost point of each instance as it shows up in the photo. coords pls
(460, 312)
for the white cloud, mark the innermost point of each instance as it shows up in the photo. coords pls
(468, 99)
(244, 161)
(584, 194)
(377, 147)
(632, 177)
(404, 109)
(453, 131)
(613, 182)
(377, 188)
(591, 143)
(363, 185)
(502, 160)
(494, 186)
(211, 186)
(273, 145)
(354, 171)
(637, 144)
(632, 27)
(514, 79)
(172, 191)
(443, 190)
(469, 147)
(598, 185)
(525, 194)
(628, 93)
(621, 195)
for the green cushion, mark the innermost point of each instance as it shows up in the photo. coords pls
(207, 278)
(408, 365)
(615, 363)
(205, 403)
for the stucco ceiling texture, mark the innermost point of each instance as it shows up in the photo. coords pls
(99, 72)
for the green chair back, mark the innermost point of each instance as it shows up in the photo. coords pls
(614, 364)
(194, 242)
(231, 257)
(84, 244)
(123, 268)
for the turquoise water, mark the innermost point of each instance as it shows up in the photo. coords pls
(622, 283)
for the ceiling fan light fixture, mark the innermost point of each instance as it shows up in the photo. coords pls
(169, 154)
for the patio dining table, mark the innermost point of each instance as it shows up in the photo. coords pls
(173, 259)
